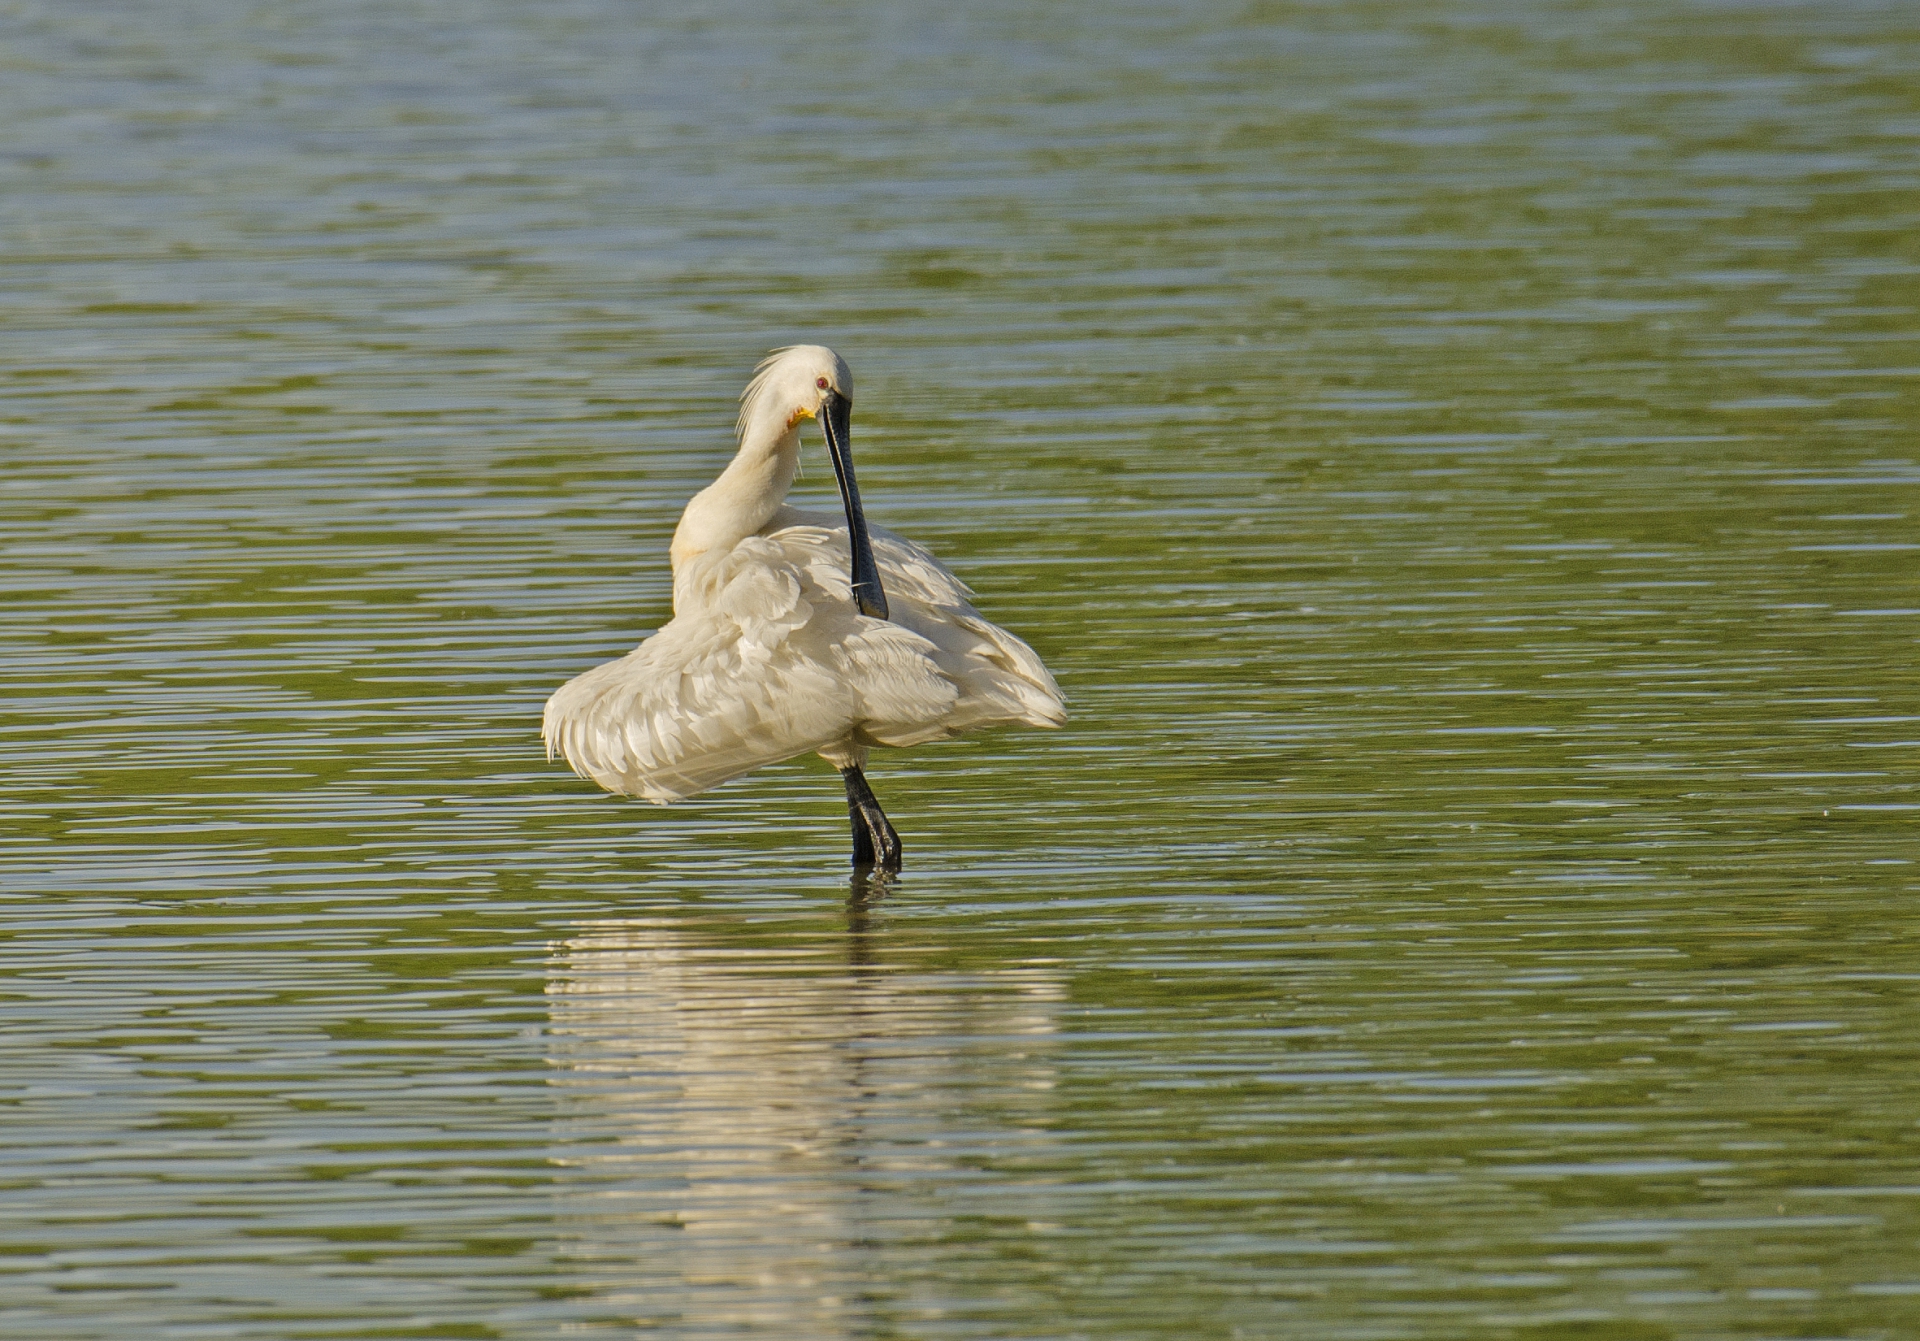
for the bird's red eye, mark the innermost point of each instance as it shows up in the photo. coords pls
(821, 382)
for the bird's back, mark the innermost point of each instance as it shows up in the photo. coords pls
(767, 657)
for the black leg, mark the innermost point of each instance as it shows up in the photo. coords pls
(862, 836)
(875, 841)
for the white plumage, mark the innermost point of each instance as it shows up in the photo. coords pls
(769, 655)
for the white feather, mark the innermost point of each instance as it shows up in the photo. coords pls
(767, 656)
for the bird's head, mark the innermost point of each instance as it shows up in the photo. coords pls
(813, 382)
(800, 382)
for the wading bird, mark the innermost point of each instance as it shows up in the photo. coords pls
(793, 632)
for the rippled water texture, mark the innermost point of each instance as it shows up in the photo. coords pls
(1459, 457)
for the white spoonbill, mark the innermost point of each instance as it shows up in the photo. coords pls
(793, 632)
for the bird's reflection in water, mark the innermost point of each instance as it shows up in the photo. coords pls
(753, 1125)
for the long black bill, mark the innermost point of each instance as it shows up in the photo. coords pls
(836, 417)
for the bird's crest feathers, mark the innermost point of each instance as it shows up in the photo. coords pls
(750, 398)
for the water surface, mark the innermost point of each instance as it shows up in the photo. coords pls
(1459, 459)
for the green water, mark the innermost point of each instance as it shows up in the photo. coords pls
(1459, 458)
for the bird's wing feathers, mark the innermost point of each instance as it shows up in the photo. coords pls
(996, 677)
(767, 658)
(1001, 680)
(913, 569)
(905, 567)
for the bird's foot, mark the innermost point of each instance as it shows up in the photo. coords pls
(876, 843)
(887, 842)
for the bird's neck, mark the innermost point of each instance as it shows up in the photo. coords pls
(744, 498)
